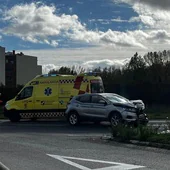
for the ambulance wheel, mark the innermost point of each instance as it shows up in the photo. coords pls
(14, 116)
(115, 119)
(34, 119)
(73, 118)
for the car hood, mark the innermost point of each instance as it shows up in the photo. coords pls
(124, 104)
(10, 101)
(138, 103)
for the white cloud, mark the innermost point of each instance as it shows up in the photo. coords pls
(51, 42)
(147, 20)
(93, 57)
(39, 23)
(30, 39)
(54, 43)
(34, 22)
(48, 67)
(164, 4)
(160, 36)
(112, 38)
(70, 9)
(154, 14)
(118, 19)
(155, 17)
(115, 46)
(134, 19)
(88, 65)
(120, 39)
(87, 57)
(103, 63)
(80, 2)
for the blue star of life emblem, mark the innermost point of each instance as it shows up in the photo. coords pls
(48, 91)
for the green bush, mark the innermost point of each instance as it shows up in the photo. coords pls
(160, 138)
(124, 133)
(168, 124)
(144, 132)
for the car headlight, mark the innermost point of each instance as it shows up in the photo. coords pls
(130, 109)
(7, 105)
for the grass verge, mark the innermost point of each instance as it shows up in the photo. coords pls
(158, 116)
(143, 135)
(159, 112)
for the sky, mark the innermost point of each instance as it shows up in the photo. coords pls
(86, 33)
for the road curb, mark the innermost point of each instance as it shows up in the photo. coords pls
(151, 144)
(138, 143)
(3, 167)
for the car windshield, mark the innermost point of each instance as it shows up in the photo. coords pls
(97, 87)
(116, 98)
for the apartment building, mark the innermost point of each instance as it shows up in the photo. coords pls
(17, 68)
(2, 65)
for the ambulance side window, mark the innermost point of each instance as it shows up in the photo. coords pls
(26, 93)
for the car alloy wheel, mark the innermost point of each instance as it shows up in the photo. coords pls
(73, 119)
(115, 119)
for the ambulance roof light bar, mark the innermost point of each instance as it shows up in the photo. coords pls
(55, 75)
(91, 73)
(49, 75)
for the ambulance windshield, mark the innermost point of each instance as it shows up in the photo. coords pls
(97, 86)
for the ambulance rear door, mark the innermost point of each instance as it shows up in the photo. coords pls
(65, 91)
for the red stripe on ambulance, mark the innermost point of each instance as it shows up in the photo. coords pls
(78, 82)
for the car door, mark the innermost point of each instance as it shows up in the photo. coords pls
(84, 105)
(25, 100)
(98, 106)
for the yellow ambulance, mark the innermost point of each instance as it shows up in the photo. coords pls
(47, 96)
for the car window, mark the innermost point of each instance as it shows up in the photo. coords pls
(97, 99)
(26, 93)
(84, 99)
(116, 98)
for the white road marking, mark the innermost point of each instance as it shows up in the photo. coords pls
(69, 162)
(83, 135)
(117, 166)
(3, 167)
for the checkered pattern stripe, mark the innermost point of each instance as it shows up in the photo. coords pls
(41, 115)
(66, 81)
(85, 80)
(71, 81)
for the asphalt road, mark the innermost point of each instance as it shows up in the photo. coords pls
(54, 145)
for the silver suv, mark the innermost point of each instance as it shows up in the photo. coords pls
(104, 107)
